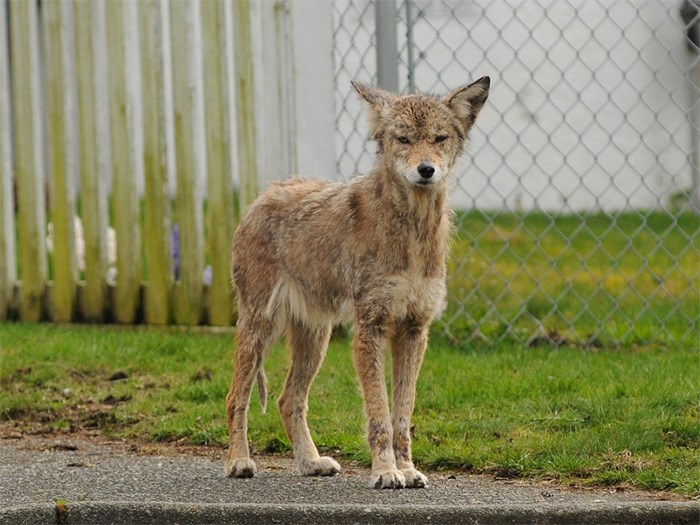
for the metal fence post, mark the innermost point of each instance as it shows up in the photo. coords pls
(694, 115)
(387, 50)
(410, 59)
(690, 13)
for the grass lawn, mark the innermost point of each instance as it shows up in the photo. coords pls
(625, 415)
(628, 278)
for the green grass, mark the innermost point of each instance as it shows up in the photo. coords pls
(626, 278)
(624, 416)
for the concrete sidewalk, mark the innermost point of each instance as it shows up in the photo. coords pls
(93, 481)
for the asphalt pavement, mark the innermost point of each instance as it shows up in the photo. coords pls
(95, 481)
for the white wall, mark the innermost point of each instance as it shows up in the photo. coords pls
(293, 47)
(589, 101)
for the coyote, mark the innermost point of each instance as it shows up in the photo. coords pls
(311, 254)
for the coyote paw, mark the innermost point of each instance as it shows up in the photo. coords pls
(240, 468)
(388, 479)
(323, 466)
(414, 479)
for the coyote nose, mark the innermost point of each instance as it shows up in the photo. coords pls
(426, 170)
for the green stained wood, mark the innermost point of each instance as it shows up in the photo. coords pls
(245, 104)
(188, 210)
(124, 196)
(220, 199)
(157, 208)
(62, 197)
(92, 193)
(8, 263)
(29, 165)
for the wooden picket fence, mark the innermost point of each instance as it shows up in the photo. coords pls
(127, 123)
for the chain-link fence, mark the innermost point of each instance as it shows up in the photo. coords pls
(578, 195)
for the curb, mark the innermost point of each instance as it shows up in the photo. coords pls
(118, 513)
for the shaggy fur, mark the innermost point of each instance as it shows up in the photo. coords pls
(311, 254)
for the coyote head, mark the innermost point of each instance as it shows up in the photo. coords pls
(420, 136)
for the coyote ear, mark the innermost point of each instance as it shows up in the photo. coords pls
(375, 96)
(378, 100)
(467, 101)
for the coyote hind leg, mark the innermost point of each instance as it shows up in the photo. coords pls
(252, 341)
(308, 350)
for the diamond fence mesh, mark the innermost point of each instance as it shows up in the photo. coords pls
(577, 198)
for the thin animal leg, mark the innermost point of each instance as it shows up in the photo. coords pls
(407, 350)
(369, 361)
(253, 339)
(308, 350)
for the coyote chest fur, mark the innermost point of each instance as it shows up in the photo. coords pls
(311, 254)
(340, 247)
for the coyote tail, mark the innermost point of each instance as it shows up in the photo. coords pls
(262, 389)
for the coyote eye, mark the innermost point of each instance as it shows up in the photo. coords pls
(403, 139)
(440, 138)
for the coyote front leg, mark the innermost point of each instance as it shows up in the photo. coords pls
(369, 359)
(407, 349)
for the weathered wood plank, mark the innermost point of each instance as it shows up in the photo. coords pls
(188, 206)
(245, 104)
(92, 192)
(29, 159)
(57, 22)
(157, 206)
(219, 182)
(8, 261)
(124, 196)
